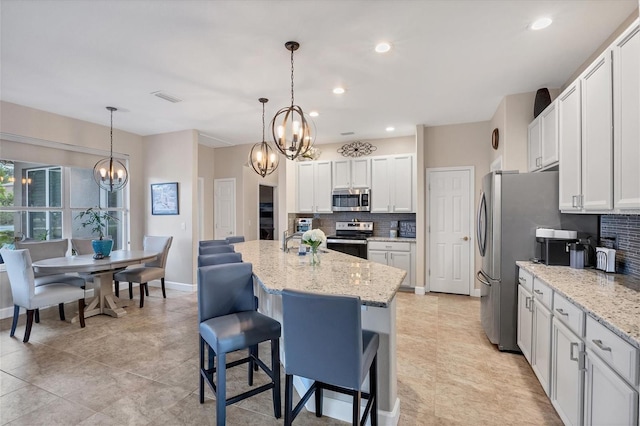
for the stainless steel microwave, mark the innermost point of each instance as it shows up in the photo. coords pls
(351, 200)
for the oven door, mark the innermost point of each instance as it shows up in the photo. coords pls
(356, 248)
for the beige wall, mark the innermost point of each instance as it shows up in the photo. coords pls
(206, 160)
(172, 157)
(387, 146)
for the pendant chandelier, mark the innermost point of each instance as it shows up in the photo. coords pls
(291, 131)
(110, 173)
(262, 157)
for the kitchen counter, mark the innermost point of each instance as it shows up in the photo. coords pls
(392, 240)
(338, 273)
(612, 299)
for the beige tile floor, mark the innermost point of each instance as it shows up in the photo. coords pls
(142, 369)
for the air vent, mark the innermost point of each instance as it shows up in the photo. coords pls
(347, 133)
(166, 96)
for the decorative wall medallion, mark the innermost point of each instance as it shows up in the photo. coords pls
(356, 149)
(495, 138)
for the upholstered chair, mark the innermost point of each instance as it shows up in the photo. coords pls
(212, 243)
(40, 250)
(215, 249)
(149, 271)
(324, 342)
(229, 322)
(235, 239)
(31, 297)
(219, 259)
(83, 246)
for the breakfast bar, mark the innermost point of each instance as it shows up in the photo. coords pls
(338, 273)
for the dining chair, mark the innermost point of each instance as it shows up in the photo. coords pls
(229, 322)
(212, 243)
(41, 250)
(335, 352)
(216, 249)
(31, 297)
(235, 239)
(219, 259)
(149, 271)
(83, 246)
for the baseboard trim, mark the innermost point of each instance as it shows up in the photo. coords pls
(419, 291)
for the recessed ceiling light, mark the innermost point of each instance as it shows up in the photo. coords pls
(390, 129)
(314, 113)
(338, 90)
(541, 23)
(383, 47)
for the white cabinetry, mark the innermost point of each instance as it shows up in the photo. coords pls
(570, 143)
(525, 321)
(354, 173)
(400, 255)
(626, 119)
(543, 139)
(392, 184)
(314, 187)
(566, 373)
(541, 336)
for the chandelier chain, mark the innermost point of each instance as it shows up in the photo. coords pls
(111, 135)
(263, 122)
(292, 77)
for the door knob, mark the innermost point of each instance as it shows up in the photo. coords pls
(465, 238)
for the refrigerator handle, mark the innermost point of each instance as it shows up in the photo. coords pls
(482, 233)
(480, 276)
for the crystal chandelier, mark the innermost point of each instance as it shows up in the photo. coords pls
(262, 157)
(291, 130)
(109, 173)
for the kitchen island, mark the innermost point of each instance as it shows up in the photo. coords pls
(376, 285)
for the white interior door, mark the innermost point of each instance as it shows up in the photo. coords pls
(224, 206)
(450, 239)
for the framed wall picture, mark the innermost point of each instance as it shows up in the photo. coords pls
(164, 198)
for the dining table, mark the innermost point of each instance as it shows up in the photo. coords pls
(104, 301)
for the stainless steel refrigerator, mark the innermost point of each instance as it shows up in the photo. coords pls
(511, 207)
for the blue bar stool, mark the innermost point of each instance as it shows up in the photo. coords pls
(215, 249)
(219, 259)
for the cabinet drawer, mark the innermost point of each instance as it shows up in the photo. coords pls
(620, 355)
(525, 279)
(569, 314)
(542, 292)
(388, 246)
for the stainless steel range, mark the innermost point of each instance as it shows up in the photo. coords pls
(351, 238)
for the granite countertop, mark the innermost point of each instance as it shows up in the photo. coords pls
(393, 240)
(338, 273)
(612, 299)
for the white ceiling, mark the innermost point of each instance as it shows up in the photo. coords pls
(452, 61)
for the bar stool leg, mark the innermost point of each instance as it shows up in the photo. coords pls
(221, 389)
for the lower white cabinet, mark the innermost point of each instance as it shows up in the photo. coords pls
(525, 321)
(567, 378)
(397, 254)
(541, 344)
(608, 399)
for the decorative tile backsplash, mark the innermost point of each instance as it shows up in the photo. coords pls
(381, 221)
(622, 232)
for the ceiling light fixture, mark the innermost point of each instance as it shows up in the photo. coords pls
(262, 157)
(291, 131)
(383, 47)
(390, 129)
(541, 23)
(314, 114)
(338, 90)
(109, 173)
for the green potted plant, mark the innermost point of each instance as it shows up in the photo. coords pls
(97, 220)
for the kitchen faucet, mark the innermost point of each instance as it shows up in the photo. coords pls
(286, 237)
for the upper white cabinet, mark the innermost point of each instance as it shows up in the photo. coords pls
(626, 119)
(355, 173)
(543, 139)
(314, 187)
(570, 146)
(392, 184)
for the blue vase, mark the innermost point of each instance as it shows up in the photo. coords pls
(102, 246)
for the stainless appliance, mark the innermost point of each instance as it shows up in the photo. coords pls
(304, 224)
(351, 238)
(351, 200)
(511, 207)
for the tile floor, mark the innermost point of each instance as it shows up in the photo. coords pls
(143, 369)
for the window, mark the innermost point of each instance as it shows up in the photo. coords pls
(42, 202)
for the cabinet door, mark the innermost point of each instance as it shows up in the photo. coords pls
(401, 260)
(597, 136)
(322, 187)
(377, 256)
(626, 117)
(305, 187)
(360, 173)
(525, 301)
(380, 185)
(608, 399)
(342, 174)
(567, 380)
(402, 187)
(534, 145)
(549, 135)
(569, 146)
(541, 344)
